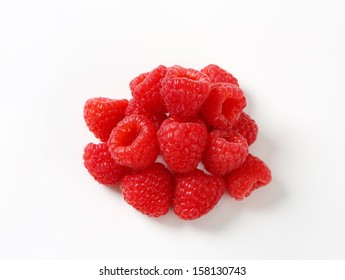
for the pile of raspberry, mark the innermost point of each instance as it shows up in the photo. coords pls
(193, 123)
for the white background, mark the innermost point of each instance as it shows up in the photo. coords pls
(289, 59)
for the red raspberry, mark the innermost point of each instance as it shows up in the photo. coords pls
(134, 108)
(101, 165)
(223, 106)
(196, 193)
(149, 191)
(133, 142)
(146, 89)
(182, 143)
(247, 127)
(252, 174)
(225, 151)
(184, 91)
(102, 115)
(219, 75)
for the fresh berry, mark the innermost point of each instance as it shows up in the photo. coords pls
(219, 75)
(149, 191)
(189, 116)
(184, 91)
(134, 108)
(101, 165)
(102, 115)
(146, 89)
(252, 174)
(182, 143)
(247, 127)
(225, 151)
(196, 193)
(133, 142)
(223, 106)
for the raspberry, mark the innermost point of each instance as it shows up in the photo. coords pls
(225, 151)
(189, 116)
(196, 193)
(102, 115)
(247, 127)
(182, 143)
(252, 174)
(184, 91)
(223, 106)
(146, 89)
(134, 108)
(133, 142)
(219, 75)
(101, 165)
(149, 191)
